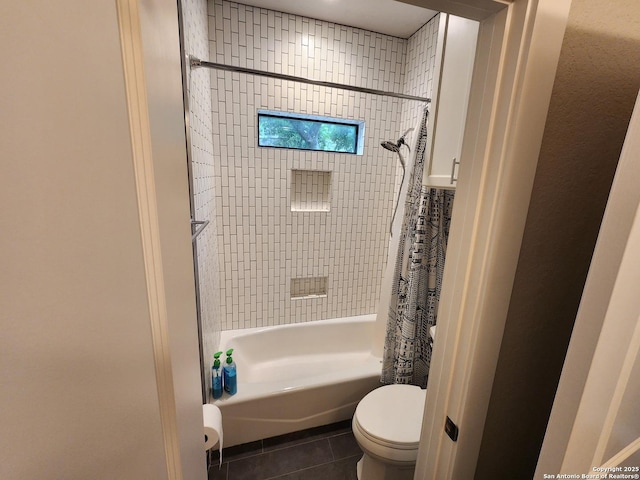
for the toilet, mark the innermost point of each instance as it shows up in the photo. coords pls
(387, 426)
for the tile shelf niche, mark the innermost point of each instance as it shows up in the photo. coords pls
(311, 287)
(310, 191)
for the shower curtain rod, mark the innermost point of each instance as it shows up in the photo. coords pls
(195, 63)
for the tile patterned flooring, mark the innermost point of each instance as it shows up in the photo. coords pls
(328, 452)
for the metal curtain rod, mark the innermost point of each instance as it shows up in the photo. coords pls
(195, 63)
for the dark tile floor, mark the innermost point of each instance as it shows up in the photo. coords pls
(328, 452)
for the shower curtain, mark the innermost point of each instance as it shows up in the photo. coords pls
(418, 276)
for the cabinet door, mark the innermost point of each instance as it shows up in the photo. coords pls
(458, 44)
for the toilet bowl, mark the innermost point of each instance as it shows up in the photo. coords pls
(387, 425)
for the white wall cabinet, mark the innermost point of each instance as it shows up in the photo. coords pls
(456, 49)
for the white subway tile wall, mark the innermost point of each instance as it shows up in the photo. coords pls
(262, 244)
(418, 74)
(201, 131)
(419, 70)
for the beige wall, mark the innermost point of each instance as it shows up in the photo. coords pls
(588, 329)
(595, 89)
(79, 397)
(595, 414)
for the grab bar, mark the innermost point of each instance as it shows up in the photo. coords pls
(198, 231)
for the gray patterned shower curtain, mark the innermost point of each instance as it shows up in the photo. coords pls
(418, 277)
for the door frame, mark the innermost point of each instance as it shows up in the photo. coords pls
(516, 60)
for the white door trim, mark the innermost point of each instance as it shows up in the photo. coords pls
(516, 61)
(140, 128)
(621, 456)
(616, 355)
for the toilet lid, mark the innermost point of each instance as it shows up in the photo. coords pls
(393, 414)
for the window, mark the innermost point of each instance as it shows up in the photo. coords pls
(309, 132)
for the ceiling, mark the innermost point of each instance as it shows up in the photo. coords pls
(383, 16)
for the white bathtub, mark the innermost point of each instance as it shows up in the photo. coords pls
(293, 377)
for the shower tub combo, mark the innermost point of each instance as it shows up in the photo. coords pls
(293, 377)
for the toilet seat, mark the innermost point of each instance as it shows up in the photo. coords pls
(388, 421)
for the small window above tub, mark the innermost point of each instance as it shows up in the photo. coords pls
(310, 132)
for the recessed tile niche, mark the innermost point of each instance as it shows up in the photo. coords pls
(310, 191)
(311, 287)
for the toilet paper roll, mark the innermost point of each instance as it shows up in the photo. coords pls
(212, 417)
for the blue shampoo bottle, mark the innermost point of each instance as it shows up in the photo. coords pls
(230, 377)
(216, 376)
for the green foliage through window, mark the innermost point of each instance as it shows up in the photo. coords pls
(306, 134)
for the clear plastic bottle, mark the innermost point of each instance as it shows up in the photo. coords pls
(230, 376)
(216, 376)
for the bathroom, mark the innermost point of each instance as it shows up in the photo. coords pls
(299, 236)
(89, 318)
